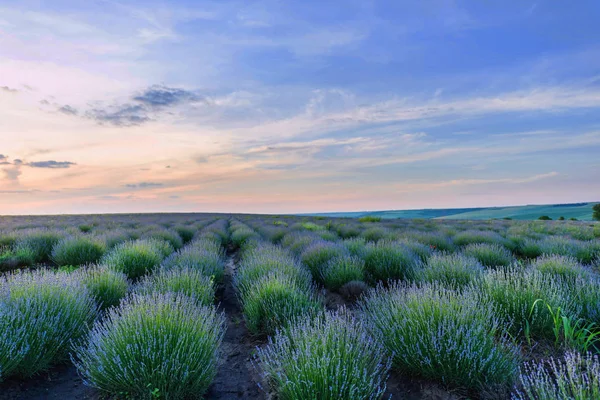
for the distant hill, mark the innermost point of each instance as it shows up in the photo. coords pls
(581, 211)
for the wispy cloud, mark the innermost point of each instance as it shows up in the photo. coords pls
(8, 89)
(51, 164)
(144, 185)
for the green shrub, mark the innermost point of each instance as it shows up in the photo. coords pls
(489, 255)
(20, 257)
(341, 270)
(8, 239)
(274, 302)
(270, 260)
(545, 218)
(596, 212)
(369, 218)
(41, 312)
(201, 256)
(318, 254)
(332, 355)
(156, 345)
(311, 226)
(168, 236)
(85, 228)
(522, 297)
(473, 236)
(575, 376)
(443, 335)
(389, 260)
(374, 234)
(188, 281)
(186, 233)
(436, 241)
(107, 286)
(423, 251)
(78, 251)
(560, 266)
(39, 243)
(242, 235)
(451, 270)
(136, 258)
(585, 291)
(356, 246)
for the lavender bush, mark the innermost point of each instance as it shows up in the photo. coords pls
(137, 258)
(328, 357)
(78, 250)
(157, 344)
(575, 376)
(41, 312)
(440, 334)
(187, 281)
(451, 270)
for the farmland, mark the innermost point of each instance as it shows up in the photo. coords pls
(579, 211)
(177, 306)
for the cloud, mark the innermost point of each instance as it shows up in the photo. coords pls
(144, 185)
(13, 173)
(409, 187)
(18, 191)
(141, 107)
(67, 109)
(8, 89)
(124, 115)
(51, 164)
(163, 96)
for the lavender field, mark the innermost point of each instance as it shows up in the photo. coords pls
(216, 306)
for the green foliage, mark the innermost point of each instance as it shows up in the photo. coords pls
(341, 270)
(136, 258)
(517, 295)
(451, 270)
(168, 236)
(185, 232)
(545, 218)
(205, 256)
(596, 212)
(38, 243)
(564, 267)
(311, 226)
(389, 260)
(489, 255)
(575, 376)
(574, 334)
(41, 312)
(78, 250)
(158, 344)
(331, 355)
(20, 257)
(369, 218)
(107, 286)
(274, 302)
(374, 234)
(443, 335)
(188, 281)
(317, 255)
(85, 228)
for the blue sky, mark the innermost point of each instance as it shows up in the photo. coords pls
(273, 106)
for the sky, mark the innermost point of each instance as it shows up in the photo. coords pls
(297, 106)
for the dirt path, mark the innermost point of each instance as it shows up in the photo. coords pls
(236, 378)
(61, 382)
